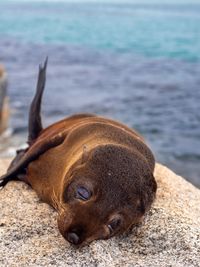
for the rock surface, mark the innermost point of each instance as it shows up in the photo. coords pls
(169, 236)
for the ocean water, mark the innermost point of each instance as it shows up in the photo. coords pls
(136, 63)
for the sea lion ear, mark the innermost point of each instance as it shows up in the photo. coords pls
(85, 154)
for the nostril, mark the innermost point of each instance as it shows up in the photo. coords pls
(73, 238)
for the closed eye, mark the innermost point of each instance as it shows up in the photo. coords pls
(114, 225)
(83, 193)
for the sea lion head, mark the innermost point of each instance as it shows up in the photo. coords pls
(105, 193)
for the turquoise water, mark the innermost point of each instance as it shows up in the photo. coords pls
(171, 31)
(136, 63)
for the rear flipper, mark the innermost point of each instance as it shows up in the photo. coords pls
(35, 127)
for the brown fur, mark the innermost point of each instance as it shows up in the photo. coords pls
(103, 156)
(118, 167)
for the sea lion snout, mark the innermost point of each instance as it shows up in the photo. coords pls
(90, 227)
(73, 238)
(77, 235)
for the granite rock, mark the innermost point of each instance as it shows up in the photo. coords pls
(169, 235)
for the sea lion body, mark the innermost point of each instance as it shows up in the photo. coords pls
(96, 172)
(81, 132)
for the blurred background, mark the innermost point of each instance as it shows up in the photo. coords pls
(133, 61)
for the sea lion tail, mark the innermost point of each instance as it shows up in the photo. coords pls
(35, 122)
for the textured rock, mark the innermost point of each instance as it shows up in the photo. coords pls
(169, 236)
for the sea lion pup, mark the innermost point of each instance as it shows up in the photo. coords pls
(96, 172)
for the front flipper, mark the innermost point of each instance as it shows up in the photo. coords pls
(22, 175)
(18, 166)
(19, 154)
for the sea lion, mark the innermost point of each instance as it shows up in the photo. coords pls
(96, 172)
